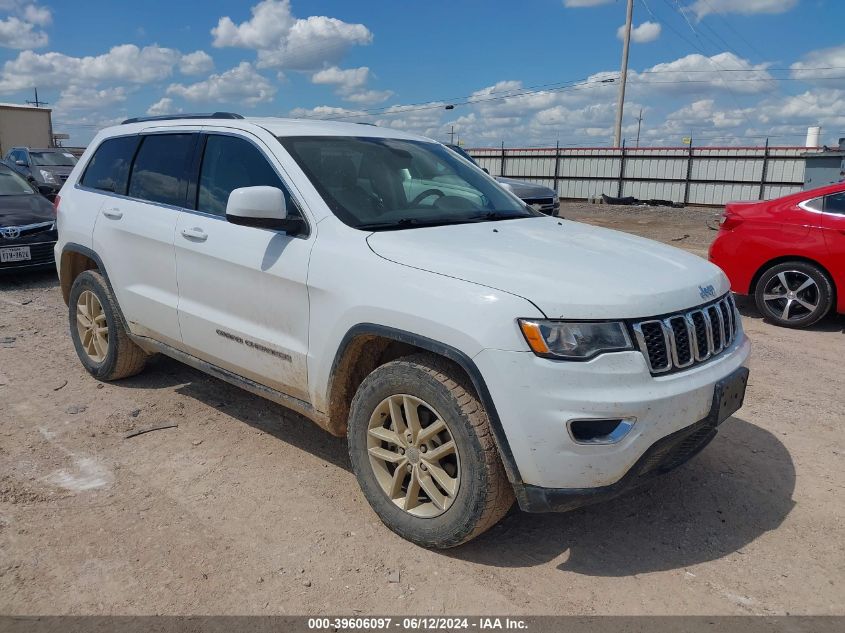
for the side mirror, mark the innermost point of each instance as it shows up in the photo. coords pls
(486, 171)
(262, 207)
(46, 190)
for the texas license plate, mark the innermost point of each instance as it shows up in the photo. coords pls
(16, 254)
(730, 394)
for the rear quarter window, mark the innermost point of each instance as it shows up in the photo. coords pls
(109, 167)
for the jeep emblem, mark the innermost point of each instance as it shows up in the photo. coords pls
(707, 292)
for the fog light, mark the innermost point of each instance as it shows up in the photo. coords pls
(599, 430)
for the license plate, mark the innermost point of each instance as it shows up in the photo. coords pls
(17, 254)
(730, 393)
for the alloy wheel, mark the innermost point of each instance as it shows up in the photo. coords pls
(92, 326)
(413, 455)
(791, 295)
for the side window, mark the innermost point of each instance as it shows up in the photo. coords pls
(108, 169)
(229, 163)
(835, 203)
(815, 204)
(159, 171)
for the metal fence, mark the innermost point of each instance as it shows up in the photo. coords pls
(692, 175)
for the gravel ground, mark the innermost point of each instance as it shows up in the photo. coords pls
(246, 508)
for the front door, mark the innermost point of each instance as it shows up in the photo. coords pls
(243, 299)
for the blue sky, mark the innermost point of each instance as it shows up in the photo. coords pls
(528, 73)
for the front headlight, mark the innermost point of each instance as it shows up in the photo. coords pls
(574, 340)
(48, 176)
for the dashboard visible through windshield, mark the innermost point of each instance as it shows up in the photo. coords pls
(387, 183)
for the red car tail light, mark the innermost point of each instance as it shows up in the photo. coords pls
(56, 202)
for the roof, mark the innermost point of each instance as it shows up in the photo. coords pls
(317, 127)
(276, 126)
(24, 106)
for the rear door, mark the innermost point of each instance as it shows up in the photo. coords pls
(243, 299)
(135, 230)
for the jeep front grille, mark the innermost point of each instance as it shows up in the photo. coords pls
(685, 339)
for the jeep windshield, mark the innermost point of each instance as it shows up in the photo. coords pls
(379, 184)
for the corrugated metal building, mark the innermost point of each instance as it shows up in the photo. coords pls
(692, 175)
(24, 126)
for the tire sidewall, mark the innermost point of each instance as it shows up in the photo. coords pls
(821, 280)
(452, 526)
(88, 281)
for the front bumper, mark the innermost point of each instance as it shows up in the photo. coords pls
(41, 249)
(534, 399)
(664, 455)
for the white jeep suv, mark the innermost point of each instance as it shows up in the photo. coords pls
(472, 349)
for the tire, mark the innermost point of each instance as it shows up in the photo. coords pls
(794, 294)
(436, 390)
(118, 357)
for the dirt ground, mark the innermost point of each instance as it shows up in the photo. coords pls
(246, 508)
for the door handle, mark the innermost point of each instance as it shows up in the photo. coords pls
(195, 234)
(113, 214)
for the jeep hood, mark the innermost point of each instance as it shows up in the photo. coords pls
(567, 269)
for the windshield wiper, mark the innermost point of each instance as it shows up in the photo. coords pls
(499, 215)
(402, 223)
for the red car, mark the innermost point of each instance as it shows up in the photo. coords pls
(788, 252)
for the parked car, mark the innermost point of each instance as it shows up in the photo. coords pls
(789, 253)
(27, 225)
(46, 166)
(542, 198)
(471, 349)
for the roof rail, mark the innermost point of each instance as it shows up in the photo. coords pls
(195, 115)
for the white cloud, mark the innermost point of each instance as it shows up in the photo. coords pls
(642, 34)
(196, 63)
(348, 79)
(369, 97)
(82, 98)
(163, 106)
(351, 84)
(697, 73)
(125, 63)
(241, 84)
(832, 59)
(284, 41)
(702, 8)
(20, 30)
(573, 4)
(40, 16)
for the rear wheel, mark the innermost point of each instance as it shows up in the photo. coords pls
(794, 294)
(99, 337)
(422, 451)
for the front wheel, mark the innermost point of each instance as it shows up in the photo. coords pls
(794, 294)
(422, 451)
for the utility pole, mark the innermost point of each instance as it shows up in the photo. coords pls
(452, 135)
(639, 125)
(37, 103)
(620, 104)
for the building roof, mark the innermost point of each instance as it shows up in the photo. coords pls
(23, 106)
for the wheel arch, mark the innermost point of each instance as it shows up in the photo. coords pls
(76, 259)
(367, 345)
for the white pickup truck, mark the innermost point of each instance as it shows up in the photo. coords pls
(473, 350)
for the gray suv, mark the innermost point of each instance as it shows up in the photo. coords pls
(541, 198)
(48, 166)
